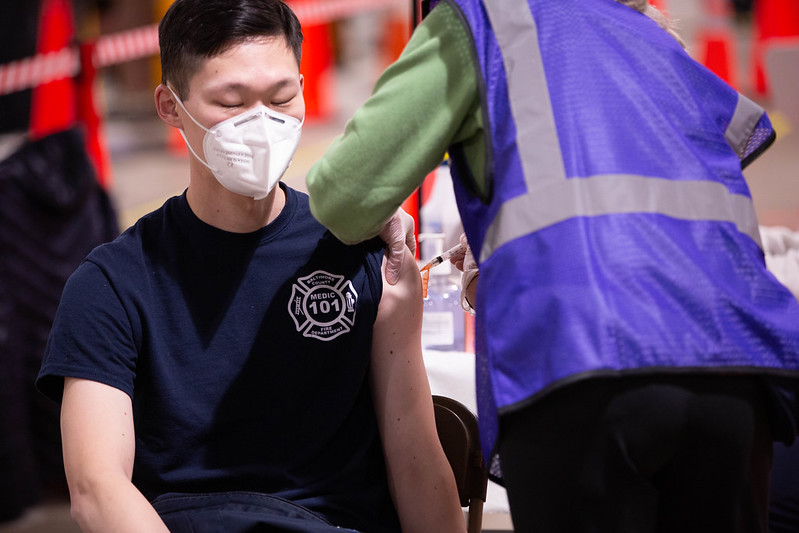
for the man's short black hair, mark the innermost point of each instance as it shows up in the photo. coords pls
(193, 31)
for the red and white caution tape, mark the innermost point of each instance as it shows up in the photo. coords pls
(142, 42)
(40, 69)
(126, 46)
(323, 11)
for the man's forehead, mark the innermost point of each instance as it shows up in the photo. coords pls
(247, 64)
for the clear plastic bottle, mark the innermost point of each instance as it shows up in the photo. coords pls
(443, 320)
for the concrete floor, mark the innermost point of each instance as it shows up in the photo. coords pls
(52, 517)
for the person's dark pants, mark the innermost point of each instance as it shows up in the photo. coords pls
(784, 500)
(641, 454)
(238, 512)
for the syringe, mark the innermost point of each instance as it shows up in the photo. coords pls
(445, 256)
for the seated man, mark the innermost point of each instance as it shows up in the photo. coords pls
(227, 364)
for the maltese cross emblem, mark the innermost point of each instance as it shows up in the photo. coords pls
(322, 305)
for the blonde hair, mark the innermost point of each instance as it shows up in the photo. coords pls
(655, 14)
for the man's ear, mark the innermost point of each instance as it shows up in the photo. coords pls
(167, 106)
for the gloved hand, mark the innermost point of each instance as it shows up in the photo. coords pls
(464, 261)
(397, 233)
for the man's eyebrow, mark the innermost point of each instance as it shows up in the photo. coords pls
(237, 86)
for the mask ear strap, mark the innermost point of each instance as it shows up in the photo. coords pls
(183, 134)
(183, 107)
(198, 158)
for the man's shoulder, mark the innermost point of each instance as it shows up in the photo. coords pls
(130, 247)
(306, 223)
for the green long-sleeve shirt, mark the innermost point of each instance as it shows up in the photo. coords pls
(423, 103)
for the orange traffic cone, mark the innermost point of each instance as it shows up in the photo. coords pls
(317, 68)
(396, 35)
(773, 19)
(92, 120)
(53, 103)
(175, 143)
(716, 43)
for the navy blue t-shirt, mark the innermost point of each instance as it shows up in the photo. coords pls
(246, 357)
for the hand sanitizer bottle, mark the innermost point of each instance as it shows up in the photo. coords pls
(443, 320)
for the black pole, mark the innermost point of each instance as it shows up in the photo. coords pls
(416, 18)
(416, 13)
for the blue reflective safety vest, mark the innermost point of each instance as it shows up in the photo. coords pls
(618, 234)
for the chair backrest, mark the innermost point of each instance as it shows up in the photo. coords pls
(457, 430)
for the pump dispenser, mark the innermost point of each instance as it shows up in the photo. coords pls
(443, 318)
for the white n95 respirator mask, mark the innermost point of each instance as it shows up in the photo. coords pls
(248, 153)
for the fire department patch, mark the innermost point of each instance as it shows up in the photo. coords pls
(322, 305)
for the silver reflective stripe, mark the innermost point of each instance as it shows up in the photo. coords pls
(747, 115)
(517, 35)
(550, 196)
(614, 194)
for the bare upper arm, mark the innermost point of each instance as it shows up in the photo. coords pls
(405, 296)
(419, 477)
(399, 378)
(97, 430)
